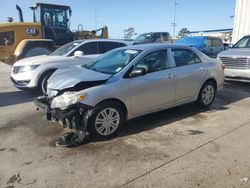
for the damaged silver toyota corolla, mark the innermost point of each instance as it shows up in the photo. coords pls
(129, 82)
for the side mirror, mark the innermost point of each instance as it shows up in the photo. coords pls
(78, 53)
(137, 72)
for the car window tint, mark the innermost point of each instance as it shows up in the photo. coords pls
(156, 37)
(166, 36)
(196, 58)
(107, 46)
(155, 61)
(217, 42)
(209, 42)
(184, 57)
(89, 48)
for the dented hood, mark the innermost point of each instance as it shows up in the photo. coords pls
(69, 77)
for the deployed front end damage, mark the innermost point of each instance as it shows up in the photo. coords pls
(74, 116)
(64, 101)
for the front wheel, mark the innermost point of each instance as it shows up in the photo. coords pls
(106, 120)
(206, 95)
(43, 83)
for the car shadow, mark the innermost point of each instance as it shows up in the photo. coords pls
(16, 97)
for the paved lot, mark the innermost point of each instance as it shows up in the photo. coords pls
(180, 147)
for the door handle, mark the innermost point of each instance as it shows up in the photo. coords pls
(169, 76)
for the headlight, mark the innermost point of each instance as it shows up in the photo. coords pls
(26, 68)
(67, 99)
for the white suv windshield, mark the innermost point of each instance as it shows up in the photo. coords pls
(113, 62)
(243, 43)
(65, 49)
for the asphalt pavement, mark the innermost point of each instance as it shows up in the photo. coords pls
(179, 147)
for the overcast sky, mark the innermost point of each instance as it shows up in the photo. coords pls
(143, 15)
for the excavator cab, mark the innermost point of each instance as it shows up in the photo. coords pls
(55, 22)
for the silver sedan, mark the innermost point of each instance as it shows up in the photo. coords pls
(129, 82)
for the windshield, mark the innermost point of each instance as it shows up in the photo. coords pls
(143, 38)
(243, 43)
(65, 49)
(54, 17)
(113, 62)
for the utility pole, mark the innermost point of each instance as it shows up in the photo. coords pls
(174, 17)
(96, 19)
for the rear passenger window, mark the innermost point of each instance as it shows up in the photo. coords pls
(184, 57)
(89, 48)
(156, 37)
(107, 46)
(166, 37)
(209, 43)
(217, 42)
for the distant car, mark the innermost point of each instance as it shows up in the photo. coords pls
(210, 46)
(153, 37)
(129, 82)
(34, 72)
(237, 60)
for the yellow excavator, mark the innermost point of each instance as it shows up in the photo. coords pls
(49, 30)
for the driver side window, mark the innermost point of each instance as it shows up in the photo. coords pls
(155, 61)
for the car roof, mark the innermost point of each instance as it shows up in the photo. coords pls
(201, 37)
(105, 40)
(155, 32)
(149, 47)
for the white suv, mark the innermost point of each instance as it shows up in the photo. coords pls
(237, 61)
(34, 72)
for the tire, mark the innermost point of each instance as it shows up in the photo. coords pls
(36, 51)
(99, 126)
(43, 83)
(206, 95)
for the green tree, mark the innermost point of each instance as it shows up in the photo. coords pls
(183, 32)
(129, 33)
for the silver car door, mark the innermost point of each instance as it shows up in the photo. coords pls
(156, 88)
(189, 74)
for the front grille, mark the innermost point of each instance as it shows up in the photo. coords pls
(20, 82)
(236, 63)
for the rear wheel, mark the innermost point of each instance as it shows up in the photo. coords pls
(106, 120)
(206, 95)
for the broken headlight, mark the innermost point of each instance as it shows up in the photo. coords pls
(67, 99)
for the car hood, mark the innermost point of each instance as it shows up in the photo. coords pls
(41, 59)
(235, 52)
(70, 77)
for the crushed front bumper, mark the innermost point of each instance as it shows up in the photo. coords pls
(74, 117)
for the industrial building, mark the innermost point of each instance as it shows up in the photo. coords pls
(241, 20)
